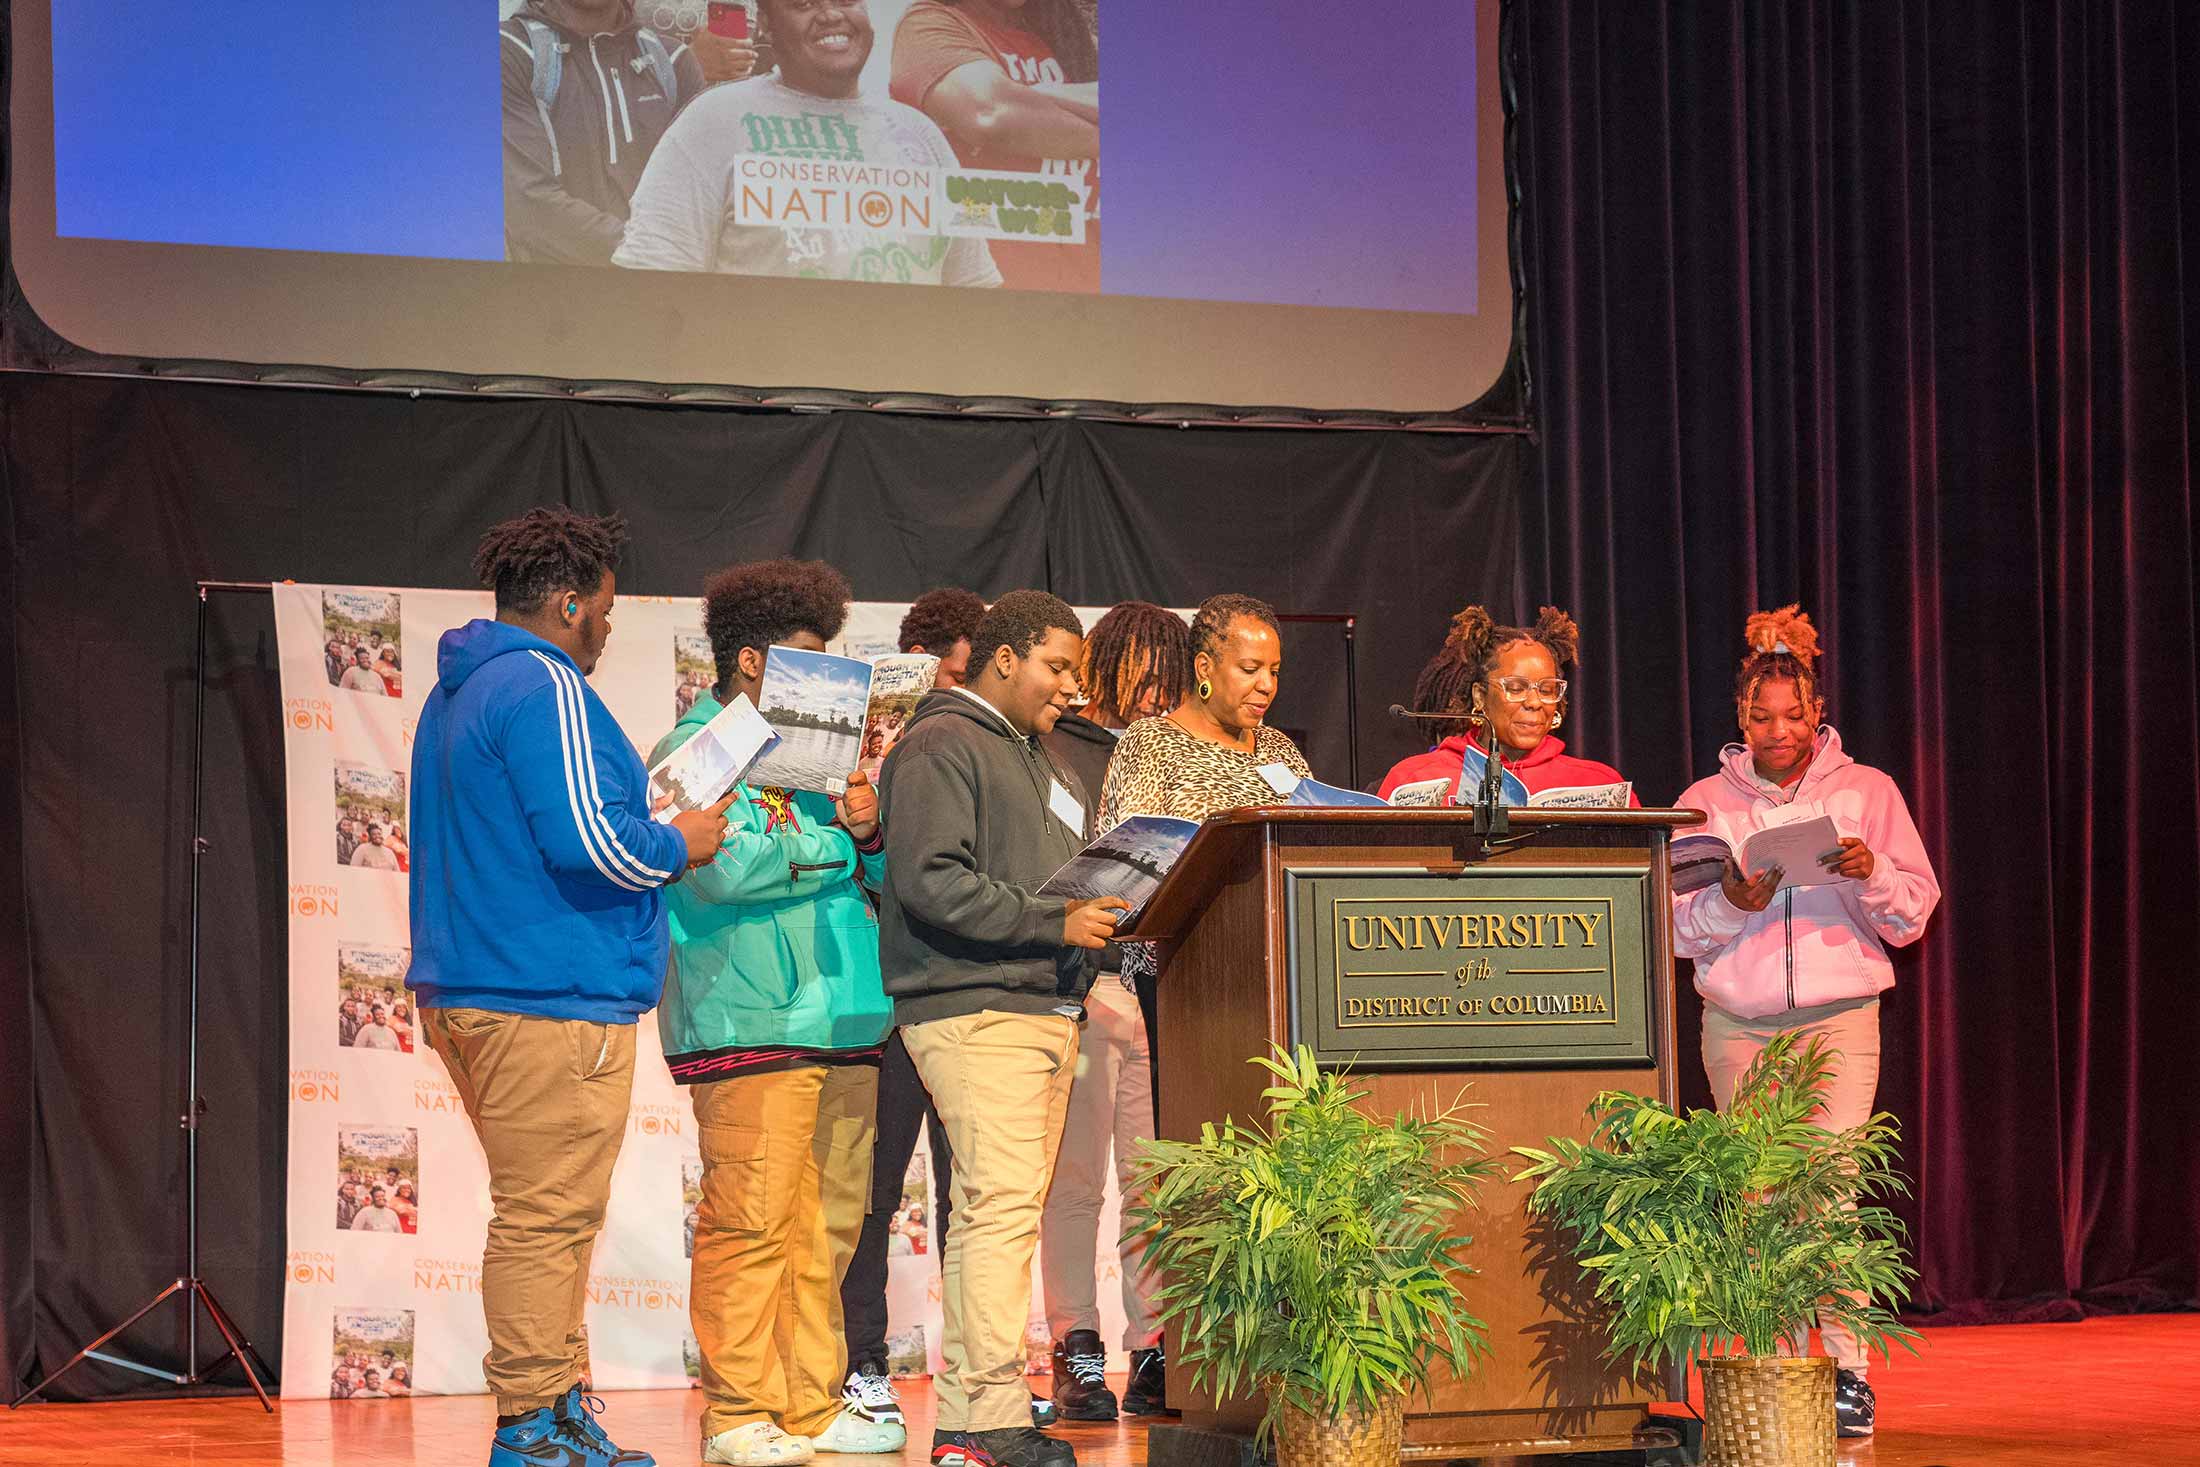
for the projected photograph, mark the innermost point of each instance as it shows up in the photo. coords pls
(362, 649)
(370, 818)
(373, 1010)
(371, 1354)
(914, 142)
(378, 1179)
(693, 669)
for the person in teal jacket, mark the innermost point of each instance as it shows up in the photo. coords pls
(774, 1013)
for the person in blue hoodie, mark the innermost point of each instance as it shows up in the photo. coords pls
(539, 936)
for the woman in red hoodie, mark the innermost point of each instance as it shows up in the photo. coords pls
(1512, 680)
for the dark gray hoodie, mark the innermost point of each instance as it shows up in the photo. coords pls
(970, 835)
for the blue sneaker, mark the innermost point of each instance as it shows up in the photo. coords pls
(540, 1439)
(577, 1410)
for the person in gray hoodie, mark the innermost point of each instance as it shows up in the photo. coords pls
(988, 980)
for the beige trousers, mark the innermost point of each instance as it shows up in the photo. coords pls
(1110, 1110)
(1000, 1082)
(548, 1098)
(786, 1178)
(1730, 1043)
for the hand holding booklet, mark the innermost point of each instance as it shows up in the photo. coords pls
(697, 775)
(1128, 862)
(1794, 846)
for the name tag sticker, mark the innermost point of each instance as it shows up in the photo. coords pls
(1066, 809)
(1280, 778)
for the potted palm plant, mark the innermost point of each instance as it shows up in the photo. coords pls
(1714, 1236)
(1312, 1258)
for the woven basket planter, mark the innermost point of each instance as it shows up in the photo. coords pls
(1355, 1439)
(1775, 1411)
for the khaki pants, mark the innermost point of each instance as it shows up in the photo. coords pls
(548, 1098)
(1730, 1044)
(786, 1179)
(1001, 1084)
(1110, 1109)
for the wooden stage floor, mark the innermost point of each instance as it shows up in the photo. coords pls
(2123, 1391)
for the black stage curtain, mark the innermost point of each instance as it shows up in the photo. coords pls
(1892, 309)
(123, 494)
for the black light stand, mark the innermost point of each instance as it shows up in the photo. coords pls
(190, 1287)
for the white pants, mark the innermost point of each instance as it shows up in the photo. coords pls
(1110, 1108)
(1730, 1044)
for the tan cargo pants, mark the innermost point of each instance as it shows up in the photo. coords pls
(549, 1099)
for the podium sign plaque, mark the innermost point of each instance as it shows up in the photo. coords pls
(1536, 966)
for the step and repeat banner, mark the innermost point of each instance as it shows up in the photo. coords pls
(388, 1191)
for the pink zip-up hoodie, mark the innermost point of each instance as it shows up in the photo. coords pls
(1812, 944)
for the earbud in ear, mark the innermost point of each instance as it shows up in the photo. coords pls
(572, 606)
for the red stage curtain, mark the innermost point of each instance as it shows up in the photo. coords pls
(1895, 309)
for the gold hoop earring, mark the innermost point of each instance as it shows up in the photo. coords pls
(1206, 690)
(1558, 718)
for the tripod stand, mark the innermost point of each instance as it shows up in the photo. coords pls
(190, 1288)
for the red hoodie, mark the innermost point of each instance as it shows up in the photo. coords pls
(1547, 766)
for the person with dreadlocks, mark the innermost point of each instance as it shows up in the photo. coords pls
(775, 1015)
(1805, 956)
(1512, 681)
(1015, 85)
(1138, 664)
(538, 938)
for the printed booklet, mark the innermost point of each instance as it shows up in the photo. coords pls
(1128, 862)
(697, 775)
(834, 714)
(1794, 846)
(1425, 793)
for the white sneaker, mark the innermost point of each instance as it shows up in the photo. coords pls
(855, 1433)
(758, 1444)
(873, 1393)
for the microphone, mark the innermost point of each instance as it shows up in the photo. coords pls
(1400, 710)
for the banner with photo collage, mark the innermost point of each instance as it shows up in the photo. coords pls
(388, 1192)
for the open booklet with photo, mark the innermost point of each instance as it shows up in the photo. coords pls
(1128, 862)
(1431, 793)
(697, 775)
(1794, 846)
(834, 714)
(898, 681)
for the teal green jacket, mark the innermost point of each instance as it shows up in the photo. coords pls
(774, 945)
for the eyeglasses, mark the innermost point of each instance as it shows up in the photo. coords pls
(811, 7)
(1515, 689)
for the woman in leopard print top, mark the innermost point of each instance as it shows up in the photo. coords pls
(1206, 755)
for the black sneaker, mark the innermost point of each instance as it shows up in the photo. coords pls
(1014, 1446)
(1146, 1393)
(1854, 1405)
(1043, 1412)
(1081, 1378)
(952, 1449)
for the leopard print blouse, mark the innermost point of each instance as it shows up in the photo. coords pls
(1159, 769)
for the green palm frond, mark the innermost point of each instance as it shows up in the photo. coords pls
(1704, 1230)
(1310, 1254)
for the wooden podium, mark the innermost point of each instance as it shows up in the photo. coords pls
(1535, 975)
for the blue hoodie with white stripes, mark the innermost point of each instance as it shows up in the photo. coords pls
(537, 875)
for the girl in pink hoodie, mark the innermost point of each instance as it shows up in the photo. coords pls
(1512, 681)
(1811, 959)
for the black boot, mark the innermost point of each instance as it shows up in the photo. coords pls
(1081, 1378)
(1146, 1393)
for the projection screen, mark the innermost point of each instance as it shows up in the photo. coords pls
(1304, 204)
